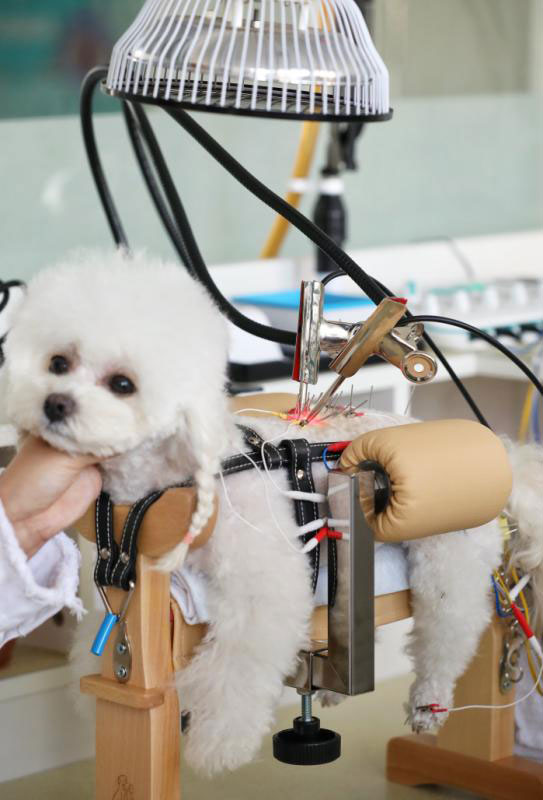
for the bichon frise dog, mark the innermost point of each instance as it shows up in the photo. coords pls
(126, 359)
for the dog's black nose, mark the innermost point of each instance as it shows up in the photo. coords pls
(58, 407)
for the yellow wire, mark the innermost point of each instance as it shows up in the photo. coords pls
(302, 166)
(525, 416)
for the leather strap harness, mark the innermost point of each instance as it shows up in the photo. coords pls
(116, 566)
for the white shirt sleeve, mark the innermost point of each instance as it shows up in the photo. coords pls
(32, 590)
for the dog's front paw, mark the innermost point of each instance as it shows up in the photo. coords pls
(211, 746)
(425, 718)
(424, 712)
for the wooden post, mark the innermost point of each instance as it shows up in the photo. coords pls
(474, 749)
(482, 734)
(138, 722)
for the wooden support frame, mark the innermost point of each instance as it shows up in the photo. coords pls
(137, 723)
(474, 749)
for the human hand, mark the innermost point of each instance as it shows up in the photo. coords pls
(44, 490)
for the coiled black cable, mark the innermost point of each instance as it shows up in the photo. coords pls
(374, 290)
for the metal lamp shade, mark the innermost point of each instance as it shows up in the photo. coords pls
(301, 59)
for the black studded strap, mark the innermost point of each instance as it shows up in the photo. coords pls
(117, 566)
(107, 547)
(301, 480)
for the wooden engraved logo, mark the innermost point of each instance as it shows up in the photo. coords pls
(124, 790)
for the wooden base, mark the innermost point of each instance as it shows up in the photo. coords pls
(416, 760)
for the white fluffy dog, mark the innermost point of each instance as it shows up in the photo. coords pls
(126, 359)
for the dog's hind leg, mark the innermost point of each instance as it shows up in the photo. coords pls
(450, 587)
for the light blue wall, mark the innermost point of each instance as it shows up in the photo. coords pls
(443, 166)
(463, 154)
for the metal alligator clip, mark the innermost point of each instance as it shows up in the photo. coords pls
(376, 336)
(351, 345)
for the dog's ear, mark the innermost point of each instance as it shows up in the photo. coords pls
(207, 435)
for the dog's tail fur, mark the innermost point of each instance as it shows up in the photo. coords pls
(526, 508)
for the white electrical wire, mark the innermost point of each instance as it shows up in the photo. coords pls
(266, 487)
(259, 411)
(314, 497)
(516, 590)
(270, 505)
(507, 705)
(537, 648)
(234, 511)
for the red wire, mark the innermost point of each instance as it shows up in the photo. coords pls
(337, 447)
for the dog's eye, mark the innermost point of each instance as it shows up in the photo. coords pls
(59, 365)
(120, 384)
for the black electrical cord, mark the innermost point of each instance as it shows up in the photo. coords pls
(332, 276)
(198, 265)
(230, 311)
(280, 206)
(136, 135)
(454, 377)
(5, 287)
(85, 109)
(373, 289)
(480, 334)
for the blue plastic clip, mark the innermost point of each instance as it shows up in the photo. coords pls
(104, 632)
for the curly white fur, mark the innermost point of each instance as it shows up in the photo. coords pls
(148, 320)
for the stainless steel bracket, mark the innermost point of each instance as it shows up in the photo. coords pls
(346, 665)
(122, 655)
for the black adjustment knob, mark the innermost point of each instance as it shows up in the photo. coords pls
(306, 743)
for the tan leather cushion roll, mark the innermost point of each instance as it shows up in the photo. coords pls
(445, 476)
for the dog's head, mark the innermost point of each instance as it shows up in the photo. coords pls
(107, 352)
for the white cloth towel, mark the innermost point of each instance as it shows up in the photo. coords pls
(189, 587)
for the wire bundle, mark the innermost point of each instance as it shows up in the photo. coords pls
(173, 215)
